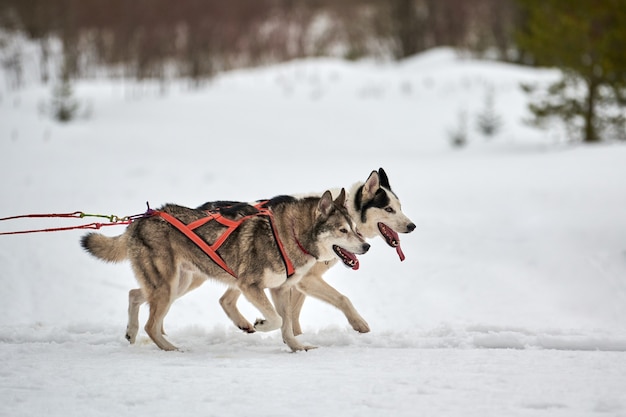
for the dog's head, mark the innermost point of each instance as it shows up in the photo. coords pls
(378, 211)
(336, 232)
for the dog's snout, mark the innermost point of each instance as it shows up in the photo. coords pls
(410, 227)
(366, 246)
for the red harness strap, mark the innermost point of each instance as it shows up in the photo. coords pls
(232, 225)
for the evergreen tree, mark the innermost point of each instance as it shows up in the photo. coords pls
(586, 40)
(64, 107)
(488, 121)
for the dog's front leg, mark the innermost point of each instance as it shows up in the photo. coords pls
(296, 302)
(282, 301)
(315, 286)
(258, 298)
(228, 301)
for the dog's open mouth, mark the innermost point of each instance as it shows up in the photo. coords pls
(348, 258)
(392, 238)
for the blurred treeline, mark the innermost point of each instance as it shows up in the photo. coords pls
(197, 38)
(194, 39)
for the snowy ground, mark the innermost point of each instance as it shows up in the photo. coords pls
(511, 300)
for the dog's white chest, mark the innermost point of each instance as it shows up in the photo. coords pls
(272, 280)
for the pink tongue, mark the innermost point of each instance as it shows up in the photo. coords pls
(398, 248)
(400, 253)
(350, 257)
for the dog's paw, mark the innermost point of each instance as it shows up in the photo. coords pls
(360, 325)
(248, 329)
(131, 336)
(265, 325)
(296, 347)
(244, 325)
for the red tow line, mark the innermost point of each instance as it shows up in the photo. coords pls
(113, 221)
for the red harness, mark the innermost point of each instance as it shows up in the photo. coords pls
(211, 250)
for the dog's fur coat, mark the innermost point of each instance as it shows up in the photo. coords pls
(167, 264)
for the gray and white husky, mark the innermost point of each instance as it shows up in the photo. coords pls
(289, 236)
(376, 210)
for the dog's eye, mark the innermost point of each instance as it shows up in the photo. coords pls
(343, 230)
(389, 210)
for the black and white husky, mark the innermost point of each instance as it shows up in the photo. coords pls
(376, 211)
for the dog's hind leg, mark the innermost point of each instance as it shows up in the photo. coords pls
(135, 300)
(159, 306)
(315, 286)
(161, 280)
(228, 301)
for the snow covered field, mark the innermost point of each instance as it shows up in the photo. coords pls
(511, 302)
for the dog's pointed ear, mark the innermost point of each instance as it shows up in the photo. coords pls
(325, 205)
(384, 180)
(341, 198)
(371, 186)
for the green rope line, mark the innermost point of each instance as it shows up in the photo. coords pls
(112, 217)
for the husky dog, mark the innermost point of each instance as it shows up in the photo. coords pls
(376, 210)
(168, 264)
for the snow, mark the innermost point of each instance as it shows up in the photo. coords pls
(511, 300)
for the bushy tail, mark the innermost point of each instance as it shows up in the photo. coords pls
(110, 249)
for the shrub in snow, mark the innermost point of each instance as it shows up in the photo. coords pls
(488, 122)
(458, 135)
(64, 107)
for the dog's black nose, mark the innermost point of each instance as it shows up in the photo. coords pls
(366, 247)
(410, 227)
